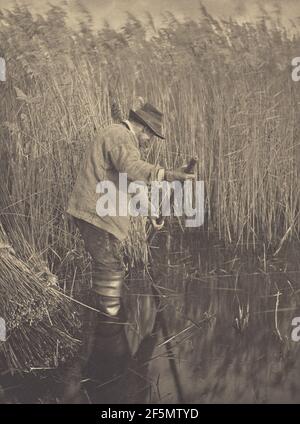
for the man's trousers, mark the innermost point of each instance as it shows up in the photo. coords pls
(108, 268)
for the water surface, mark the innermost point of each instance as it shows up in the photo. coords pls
(207, 324)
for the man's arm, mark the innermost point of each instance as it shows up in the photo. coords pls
(126, 158)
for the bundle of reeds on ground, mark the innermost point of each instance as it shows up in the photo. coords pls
(39, 321)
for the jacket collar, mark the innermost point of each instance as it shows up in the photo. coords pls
(130, 128)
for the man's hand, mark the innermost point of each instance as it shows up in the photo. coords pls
(179, 174)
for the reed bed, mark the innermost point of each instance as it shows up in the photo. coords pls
(225, 89)
(40, 323)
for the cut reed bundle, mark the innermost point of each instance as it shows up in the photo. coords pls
(38, 318)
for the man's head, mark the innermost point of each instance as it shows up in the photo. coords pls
(147, 122)
(143, 134)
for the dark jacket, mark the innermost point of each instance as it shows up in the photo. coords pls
(114, 150)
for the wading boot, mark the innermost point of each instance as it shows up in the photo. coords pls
(75, 370)
(107, 285)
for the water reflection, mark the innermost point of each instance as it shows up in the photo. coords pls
(241, 305)
(216, 328)
(206, 324)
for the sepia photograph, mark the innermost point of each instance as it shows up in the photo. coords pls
(149, 204)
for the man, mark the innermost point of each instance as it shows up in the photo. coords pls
(115, 150)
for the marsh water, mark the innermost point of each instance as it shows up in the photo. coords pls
(208, 323)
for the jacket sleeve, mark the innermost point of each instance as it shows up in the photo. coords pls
(126, 158)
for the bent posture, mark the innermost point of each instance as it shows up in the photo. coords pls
(116, 149)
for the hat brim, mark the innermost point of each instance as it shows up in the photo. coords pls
(140, 119)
